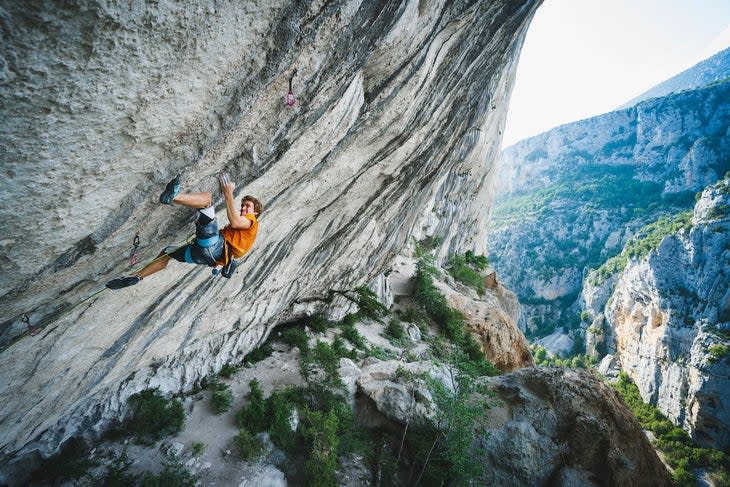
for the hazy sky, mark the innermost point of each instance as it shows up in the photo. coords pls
(586, 57)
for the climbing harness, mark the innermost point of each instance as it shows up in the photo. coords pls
(229, 263)
(290, 100)
(133, 254)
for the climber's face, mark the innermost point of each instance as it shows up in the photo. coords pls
(247, 207)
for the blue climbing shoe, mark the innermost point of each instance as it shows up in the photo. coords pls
(171, 190)
(123, 282)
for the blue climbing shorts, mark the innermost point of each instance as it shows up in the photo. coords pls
(209, 244)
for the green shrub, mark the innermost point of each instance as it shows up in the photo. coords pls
(718, 352)
(253, 415)
(396, 333)
(260, 353)
(395, 329)
(280, 408)
(116, 473)
(320, 407)
(325, 359)
(228, 370)
(445, 450)
(320, 434)
(369, 305)
(172, 475)
(317, 323)
(350, 333)
(674, 443)
(718, 212)
(460, 269)
(153, 417)
(683, 478)
(479, 262)
(338, 345)
(381, 354)
(198, 448)
(646, 239)
(434, 303)
(465, 272)
(221, 397)
(350, 319)
(405, 376)
(428, 244)
(296, 338)
(248, 445)
(412, 315)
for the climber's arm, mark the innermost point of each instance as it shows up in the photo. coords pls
(234, 216)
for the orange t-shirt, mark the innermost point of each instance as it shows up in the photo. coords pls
(240, 239)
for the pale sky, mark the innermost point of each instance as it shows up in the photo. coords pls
(586, 57)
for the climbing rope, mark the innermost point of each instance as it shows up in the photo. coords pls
(34, 330)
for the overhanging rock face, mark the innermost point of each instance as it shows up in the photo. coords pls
(395, 130)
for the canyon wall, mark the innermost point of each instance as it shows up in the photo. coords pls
(666, 316)
(570, 198)
(394, 135)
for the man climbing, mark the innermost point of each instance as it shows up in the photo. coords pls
(211, 247)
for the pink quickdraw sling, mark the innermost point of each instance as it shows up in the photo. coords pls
(290, 100)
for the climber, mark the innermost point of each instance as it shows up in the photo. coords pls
(211, 247)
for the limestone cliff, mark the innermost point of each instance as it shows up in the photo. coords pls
(570, 198)
(666, 318)
(551, 426)
(394, 133)
(492, 318)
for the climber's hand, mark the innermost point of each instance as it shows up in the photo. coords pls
(225, 182)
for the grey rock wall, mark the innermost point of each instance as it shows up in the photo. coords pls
(548, 426)
(394, 134)
(668, 318)
(570, 198)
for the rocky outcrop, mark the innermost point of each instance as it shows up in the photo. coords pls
(492, 319)
(567, 427)
(552, 426)
(394, 133)
(570, 198)
(668, 318)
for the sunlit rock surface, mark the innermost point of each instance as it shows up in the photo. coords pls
(558, 426)
(492, 319)
(548, 426)
(393, 136)
(570, 198)
(670, 315)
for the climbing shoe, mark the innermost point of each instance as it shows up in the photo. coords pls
(123, 282)
(171, 190)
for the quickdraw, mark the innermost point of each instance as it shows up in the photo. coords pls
(31, 329)
(290, 100)
(133, 254)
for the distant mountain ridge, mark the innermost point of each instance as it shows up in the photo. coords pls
(712, 69)
(570, 198)
(599, 229)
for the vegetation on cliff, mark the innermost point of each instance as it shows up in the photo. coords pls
(644, 241)
(674, 443)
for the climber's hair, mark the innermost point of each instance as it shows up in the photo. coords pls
(257, 206)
